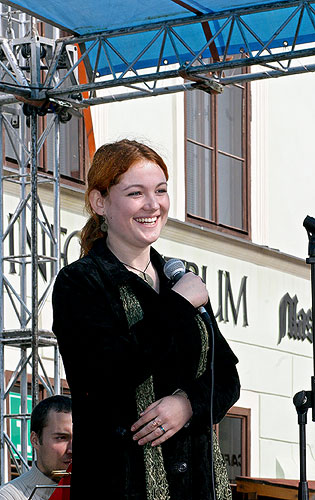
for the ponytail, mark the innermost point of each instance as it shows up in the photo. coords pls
(90, 232)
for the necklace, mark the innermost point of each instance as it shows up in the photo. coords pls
(145, 276)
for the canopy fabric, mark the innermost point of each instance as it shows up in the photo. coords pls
(92, 16)
(175, 31)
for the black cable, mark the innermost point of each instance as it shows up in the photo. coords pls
(31, 87)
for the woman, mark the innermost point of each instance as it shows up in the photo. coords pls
(135, 349)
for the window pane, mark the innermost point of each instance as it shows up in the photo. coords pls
(230, 180)
(198, 116)
(230, 435)
(69, 148)
(199, 199)
(8, 147)
(230, 121)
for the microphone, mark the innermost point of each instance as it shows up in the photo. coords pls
(174, 270)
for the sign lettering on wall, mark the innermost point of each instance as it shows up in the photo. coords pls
(226, 300)
(45, 248)
(227, 306)
(297, 325)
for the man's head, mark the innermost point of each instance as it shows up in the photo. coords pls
(51, 434)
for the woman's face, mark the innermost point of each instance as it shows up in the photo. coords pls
(137, 207)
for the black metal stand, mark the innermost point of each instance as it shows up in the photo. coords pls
(306, 399)
(302, 401)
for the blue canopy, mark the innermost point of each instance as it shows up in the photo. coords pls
(135, 26)
(133, 41)
(92, 16)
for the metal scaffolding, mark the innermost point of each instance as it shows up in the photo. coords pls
(21, 304)
(43, 76)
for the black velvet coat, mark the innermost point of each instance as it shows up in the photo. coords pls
(105, 361)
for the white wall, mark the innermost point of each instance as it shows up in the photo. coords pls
(283, 161)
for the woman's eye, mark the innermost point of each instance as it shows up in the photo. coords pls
(134, 193)
(162, 190)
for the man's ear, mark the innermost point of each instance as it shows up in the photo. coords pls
(97, 201)
(34, 440)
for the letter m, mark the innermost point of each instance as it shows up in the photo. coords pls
(229, 299)
(287, 317)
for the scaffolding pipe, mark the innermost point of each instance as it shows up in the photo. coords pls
(34, 258)
(2, 368)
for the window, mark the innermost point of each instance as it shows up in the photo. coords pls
(234, 438)
(74, 148)
(217, 160)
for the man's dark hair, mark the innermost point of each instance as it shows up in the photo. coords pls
(59, 404)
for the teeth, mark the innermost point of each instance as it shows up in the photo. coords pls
(146, 219)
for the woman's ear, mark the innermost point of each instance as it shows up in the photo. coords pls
(97, 201)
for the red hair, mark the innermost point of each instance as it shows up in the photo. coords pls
(110, 162)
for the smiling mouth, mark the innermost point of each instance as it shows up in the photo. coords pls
(146, 220)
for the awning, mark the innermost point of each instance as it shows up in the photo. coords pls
(132, 41)
(132, 25)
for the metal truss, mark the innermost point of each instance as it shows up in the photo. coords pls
(109, 76)
(23, 290)
(21, 264)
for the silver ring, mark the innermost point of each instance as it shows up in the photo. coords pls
(162, 429)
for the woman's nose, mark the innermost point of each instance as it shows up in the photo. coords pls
(151, 203)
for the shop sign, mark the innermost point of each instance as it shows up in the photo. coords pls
(15, 423)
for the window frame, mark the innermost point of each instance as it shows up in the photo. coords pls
(83, 150)
(11, 163)
(246, 205)
(245, 415)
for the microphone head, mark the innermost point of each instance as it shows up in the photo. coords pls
(173, 267)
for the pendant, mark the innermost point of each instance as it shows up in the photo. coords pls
(148, 279)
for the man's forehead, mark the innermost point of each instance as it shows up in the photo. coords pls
(57, 419)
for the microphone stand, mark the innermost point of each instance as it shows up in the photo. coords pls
(306, 399)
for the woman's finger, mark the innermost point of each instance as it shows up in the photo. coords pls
(164, 437)
(147, 429)
(153, 436)
(145, 419)
(150, 407)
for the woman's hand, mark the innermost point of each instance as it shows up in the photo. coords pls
(192, 288)
(162, 419)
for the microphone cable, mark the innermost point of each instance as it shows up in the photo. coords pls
(174, 269)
